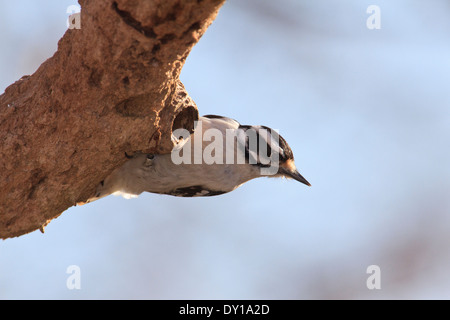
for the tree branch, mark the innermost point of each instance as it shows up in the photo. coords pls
(112, 87)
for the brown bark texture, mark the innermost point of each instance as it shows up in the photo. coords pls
(111, 87)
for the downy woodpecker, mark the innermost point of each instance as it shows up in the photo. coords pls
(217, 158)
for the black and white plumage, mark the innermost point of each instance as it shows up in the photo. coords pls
(157, 173)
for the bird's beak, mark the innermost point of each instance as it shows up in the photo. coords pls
(294, 174)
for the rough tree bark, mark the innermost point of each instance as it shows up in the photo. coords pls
(112, 87)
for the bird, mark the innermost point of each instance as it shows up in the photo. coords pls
(201, 166)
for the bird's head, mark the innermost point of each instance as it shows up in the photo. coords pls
(270, 153)
(277, 149)
(286, 165)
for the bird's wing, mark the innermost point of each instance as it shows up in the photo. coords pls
(227, 122)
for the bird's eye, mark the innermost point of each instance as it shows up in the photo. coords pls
(149, 160)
